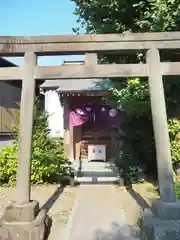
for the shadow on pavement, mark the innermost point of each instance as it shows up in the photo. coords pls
(48, 205)
(138, 198)
(117, 232)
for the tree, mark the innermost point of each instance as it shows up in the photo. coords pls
(117, 16)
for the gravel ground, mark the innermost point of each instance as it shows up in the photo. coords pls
(56, 200)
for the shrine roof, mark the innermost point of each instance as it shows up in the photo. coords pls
(71, 85)
(75, 85)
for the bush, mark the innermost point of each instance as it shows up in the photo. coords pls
(138, 150)
(136, 153)
(174, 130)
(177, 189)
(176, 185)
(49, 162)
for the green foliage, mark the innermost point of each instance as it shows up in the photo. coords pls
(177, 189)
(131, 96)
(110, 16)
(136, 152)
(174, 132)
(176, 181)
(8, 164)
(49, 162)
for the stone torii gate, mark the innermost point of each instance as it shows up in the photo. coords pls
(22, 219)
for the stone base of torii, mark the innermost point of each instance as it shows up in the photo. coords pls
(23, 222)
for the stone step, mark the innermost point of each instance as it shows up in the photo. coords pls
(98, 168)
(97, 164)
(96, 172)
(96, 180)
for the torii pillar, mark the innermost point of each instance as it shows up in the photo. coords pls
(23, 220)
(163, 222)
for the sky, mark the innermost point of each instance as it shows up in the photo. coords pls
(38, 17)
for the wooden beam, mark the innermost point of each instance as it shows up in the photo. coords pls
(26, 126)
(83, 92)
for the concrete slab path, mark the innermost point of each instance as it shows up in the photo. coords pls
(97, 215)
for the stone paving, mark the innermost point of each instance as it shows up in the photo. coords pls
(97, 215)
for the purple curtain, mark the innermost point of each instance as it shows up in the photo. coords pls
(100, 114)
(78, 115)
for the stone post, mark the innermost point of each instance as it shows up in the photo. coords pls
(162, 223)
(91, 58)
(26, 125)
(22, 219)
(159, 117)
